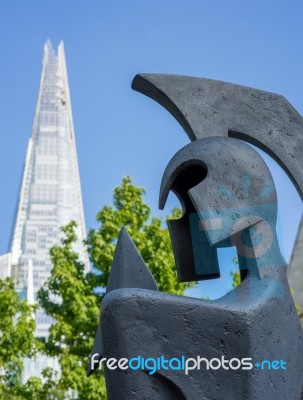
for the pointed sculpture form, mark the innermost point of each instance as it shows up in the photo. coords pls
(128, 271)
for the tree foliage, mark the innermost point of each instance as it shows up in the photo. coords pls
(69, 298)
(151, 238)
(17, 340)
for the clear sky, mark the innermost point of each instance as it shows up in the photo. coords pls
(119, 132)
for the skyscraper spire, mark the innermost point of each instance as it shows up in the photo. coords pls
(50, 193)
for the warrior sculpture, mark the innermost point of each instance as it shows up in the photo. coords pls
(229, 199)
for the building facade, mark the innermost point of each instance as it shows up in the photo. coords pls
(50, 193)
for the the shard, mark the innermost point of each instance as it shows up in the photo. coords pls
(50, 193)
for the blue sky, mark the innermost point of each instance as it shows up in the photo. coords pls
(120, 132)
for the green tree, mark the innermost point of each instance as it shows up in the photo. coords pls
(17, 340)
(69, 298)
(236, 279)
(76, 314)
(150, 237)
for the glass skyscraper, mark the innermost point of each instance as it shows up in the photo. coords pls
(50, 193)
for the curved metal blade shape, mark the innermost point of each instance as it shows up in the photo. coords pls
(207, 107)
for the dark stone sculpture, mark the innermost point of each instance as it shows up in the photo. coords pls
(206, 107)
(228, 198)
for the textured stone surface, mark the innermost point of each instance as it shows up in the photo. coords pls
(236, 192)
(207, 107)
(254, 320)
(227, 184)
(161, 324)
(128, 270)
